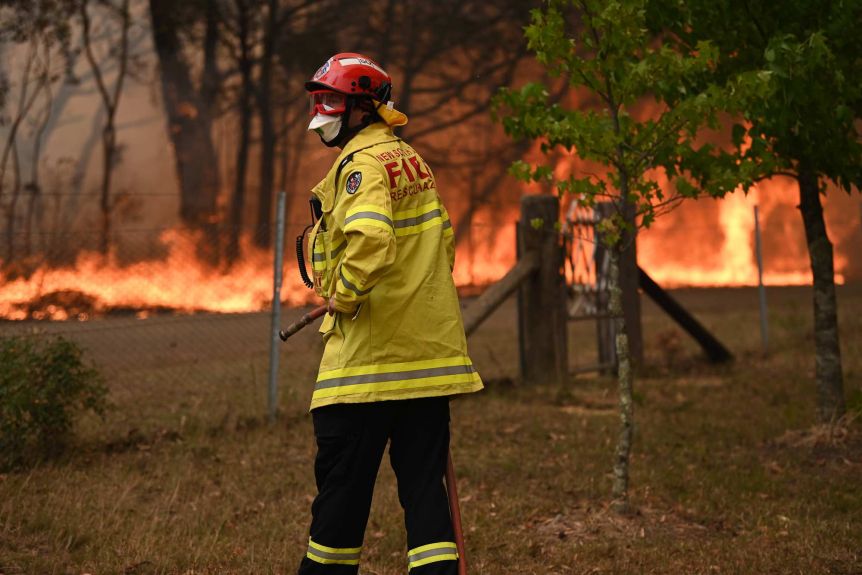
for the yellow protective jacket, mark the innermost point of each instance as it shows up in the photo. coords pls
(385, 248)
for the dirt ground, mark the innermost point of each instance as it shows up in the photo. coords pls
(729, 472)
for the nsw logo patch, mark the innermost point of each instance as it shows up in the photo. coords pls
(353, 181)
(323, 69)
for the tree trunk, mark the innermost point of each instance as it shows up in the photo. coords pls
(405, 89)
(625, 380)
(210, 77)
(385, 40)
(245, 112)
(189, 124)
(13, 205)
(629, 285)
(830, 383)
(110, 101)
(34, 206)
(109, 146)
(263, 237)
(10, 149)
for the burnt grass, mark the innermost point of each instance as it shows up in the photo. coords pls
(729, 473)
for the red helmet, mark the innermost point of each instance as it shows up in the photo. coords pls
(352, 75)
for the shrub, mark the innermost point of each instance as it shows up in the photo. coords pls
(44, 386)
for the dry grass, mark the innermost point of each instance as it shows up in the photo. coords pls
(730, 475)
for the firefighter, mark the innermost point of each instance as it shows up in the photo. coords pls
(394, 345)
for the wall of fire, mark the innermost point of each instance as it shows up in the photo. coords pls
(706, 242)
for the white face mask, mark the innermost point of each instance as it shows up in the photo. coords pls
(326, 126)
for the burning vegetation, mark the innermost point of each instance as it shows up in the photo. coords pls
(120, 195)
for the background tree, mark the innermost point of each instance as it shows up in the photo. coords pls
(447, 60)
(231, 75)
(190, 105)
(242, 18)
(44, 25)
(33, 81)
(268, 135)
(602, 48)
(807, 125)
(110, 95)
(255, 33)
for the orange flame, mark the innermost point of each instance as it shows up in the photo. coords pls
(688, 251)
(703, 243)
(181, 283)
(178, 282)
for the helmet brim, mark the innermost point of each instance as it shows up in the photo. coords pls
(314, 86)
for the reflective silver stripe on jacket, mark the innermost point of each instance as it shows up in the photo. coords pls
(368, 216)
(394, 376)
(332, 254)
(350, 286)
(338, 250)
(421, 219)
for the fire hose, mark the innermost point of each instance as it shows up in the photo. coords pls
(302, 322)
(451, 484)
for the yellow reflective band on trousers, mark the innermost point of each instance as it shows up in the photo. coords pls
(332, 555)
(408, 376)
(445, 551)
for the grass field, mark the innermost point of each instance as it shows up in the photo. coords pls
(729, 474)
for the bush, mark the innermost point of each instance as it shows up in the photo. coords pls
(44, 386)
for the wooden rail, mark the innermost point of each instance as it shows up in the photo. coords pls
(541, 288)
(497, 293)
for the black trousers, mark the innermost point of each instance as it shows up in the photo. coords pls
(351, 439)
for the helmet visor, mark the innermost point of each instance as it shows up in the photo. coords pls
(327, 103)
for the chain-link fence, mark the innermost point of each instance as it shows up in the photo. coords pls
(167, 307)
(186, 312)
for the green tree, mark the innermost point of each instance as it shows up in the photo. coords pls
(806, 123)
(604, 50)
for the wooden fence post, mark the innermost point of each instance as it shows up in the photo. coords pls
(542, 317)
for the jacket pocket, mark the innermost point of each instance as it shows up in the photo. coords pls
(332, 326)
(321, 259)
(327, 325)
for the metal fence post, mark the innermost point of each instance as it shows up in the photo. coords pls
(276, 306)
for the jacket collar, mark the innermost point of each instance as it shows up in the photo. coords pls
(373, 134)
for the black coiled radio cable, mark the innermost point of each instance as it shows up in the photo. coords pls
(300, 258)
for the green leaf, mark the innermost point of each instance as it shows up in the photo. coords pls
(738, 134)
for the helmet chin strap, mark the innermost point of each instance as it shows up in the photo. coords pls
(345, 133)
